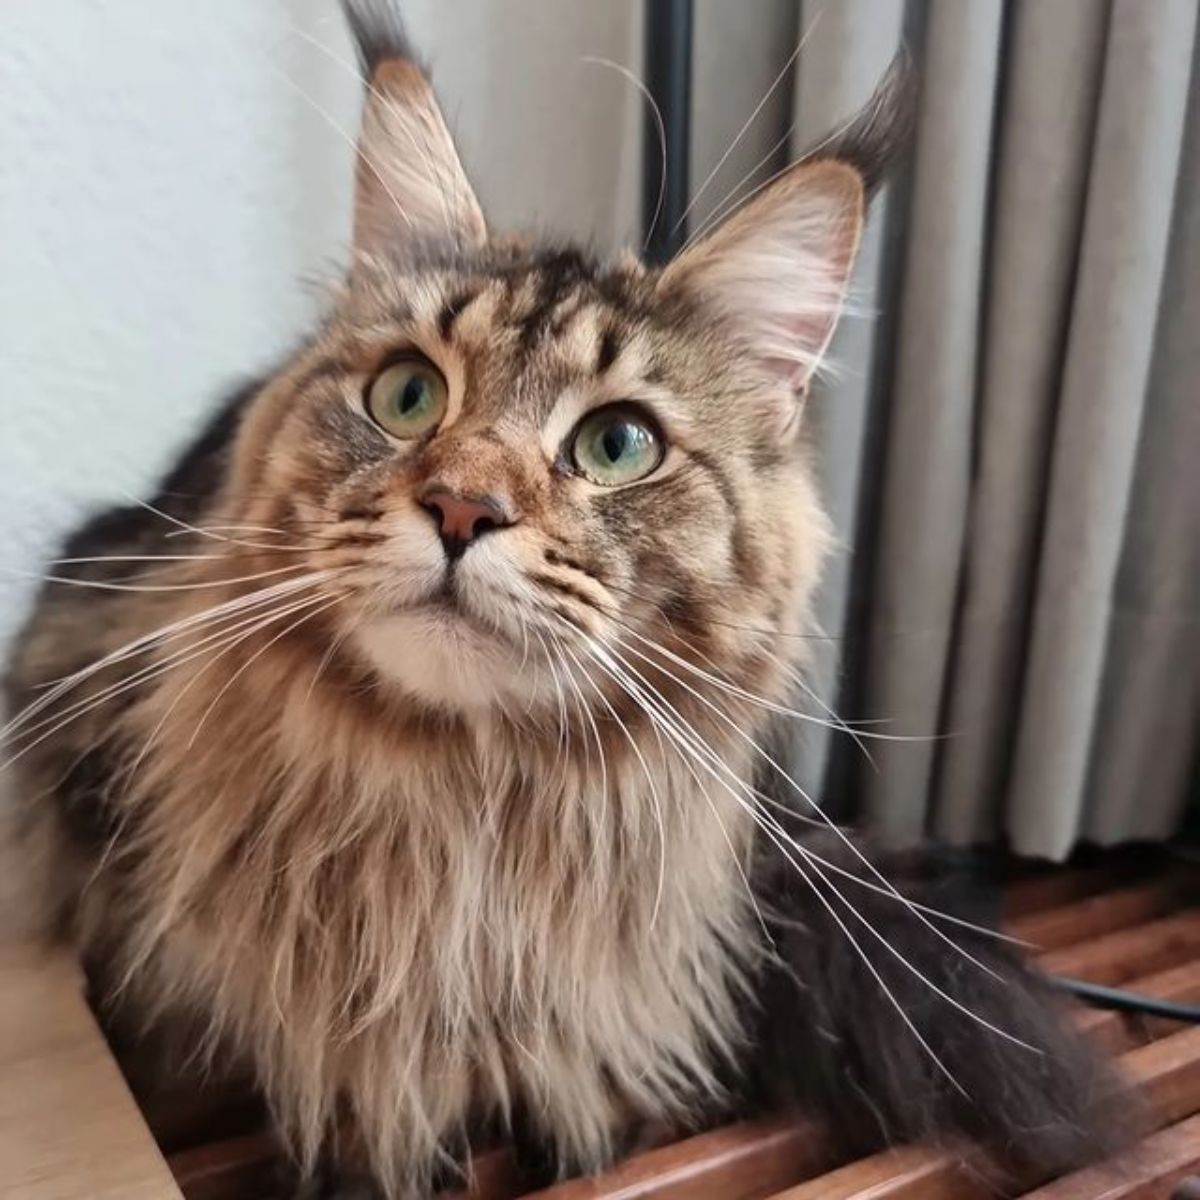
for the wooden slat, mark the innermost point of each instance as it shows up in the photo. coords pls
(239, 1166)
(1094, 916)
(1051, 888)
(908, 1171)
(1117, 957)
(1116, 1032)
(1160, 1162)
(68, 1124)
(1167, 1073)
(739, 1162)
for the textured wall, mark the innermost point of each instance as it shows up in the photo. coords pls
(168, 190)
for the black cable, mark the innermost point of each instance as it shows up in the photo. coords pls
(668, 57)
(1133, 1002)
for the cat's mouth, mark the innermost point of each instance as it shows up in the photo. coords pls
(445, 608)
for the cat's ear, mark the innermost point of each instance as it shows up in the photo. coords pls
(777, 270)
(409, 182)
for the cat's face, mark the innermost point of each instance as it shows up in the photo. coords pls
(534, 472)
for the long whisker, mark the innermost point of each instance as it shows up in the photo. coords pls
(660, 130)
(182, 525)
(687, 763)
(757, 796)
(785, 70)
(658, 811)
(63, 717)
(176, 533)
(585, 714)
(915, 970)
(639, 697)
(723, 205)
(716, 217)
(770, 705)
(816, 808)
(881, 982)
(329, 602)
(146, 641)
(329, 120)
(846, 727)
(775, 832)
(218, 652)
(104, 586)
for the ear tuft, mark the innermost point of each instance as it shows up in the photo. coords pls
(378, 31)
(880, 132)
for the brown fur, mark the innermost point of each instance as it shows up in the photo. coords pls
(421, 862)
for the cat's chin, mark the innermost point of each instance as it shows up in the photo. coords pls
(441, 657)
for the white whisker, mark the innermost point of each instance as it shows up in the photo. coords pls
(658, 811)
(146, 641)
(329, 602)
(102, 585)
(816, 808)
(656, 112)
(785, 70)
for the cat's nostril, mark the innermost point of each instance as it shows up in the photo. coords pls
(461, 519)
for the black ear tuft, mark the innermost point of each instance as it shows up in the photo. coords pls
(378, 31)
(880, 132)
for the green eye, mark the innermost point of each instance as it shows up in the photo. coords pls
(408, 399)
(616, 445)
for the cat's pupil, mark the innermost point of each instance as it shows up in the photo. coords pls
(616, 441)
(413, 395)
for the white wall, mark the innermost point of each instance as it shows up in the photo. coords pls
(167, 187)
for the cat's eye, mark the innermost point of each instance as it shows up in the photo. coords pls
(408, 398)
(615, 445)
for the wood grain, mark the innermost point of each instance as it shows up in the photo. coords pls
(1168, 1073)
(905, 1173)
(1116, 1032)
(69, 1129)
(1117, 957)
(1163, 1160)
(739, 1162)
(1094, 916)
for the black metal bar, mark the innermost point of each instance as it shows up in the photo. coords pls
(668, 72)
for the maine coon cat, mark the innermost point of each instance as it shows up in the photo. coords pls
(406, 749)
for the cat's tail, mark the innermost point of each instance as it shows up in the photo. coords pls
(896, 1025)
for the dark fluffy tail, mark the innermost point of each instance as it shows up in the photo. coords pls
(831, 1042)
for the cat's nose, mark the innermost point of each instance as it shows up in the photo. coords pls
(461, 519)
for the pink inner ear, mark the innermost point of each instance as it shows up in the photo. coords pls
(778, 268)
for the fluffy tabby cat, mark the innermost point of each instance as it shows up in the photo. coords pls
(405, 750)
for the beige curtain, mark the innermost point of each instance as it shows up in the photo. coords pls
(1024, 517)
(1010, 434)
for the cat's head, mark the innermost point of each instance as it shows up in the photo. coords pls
(526, 461)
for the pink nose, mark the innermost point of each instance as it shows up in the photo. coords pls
(461, 519)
